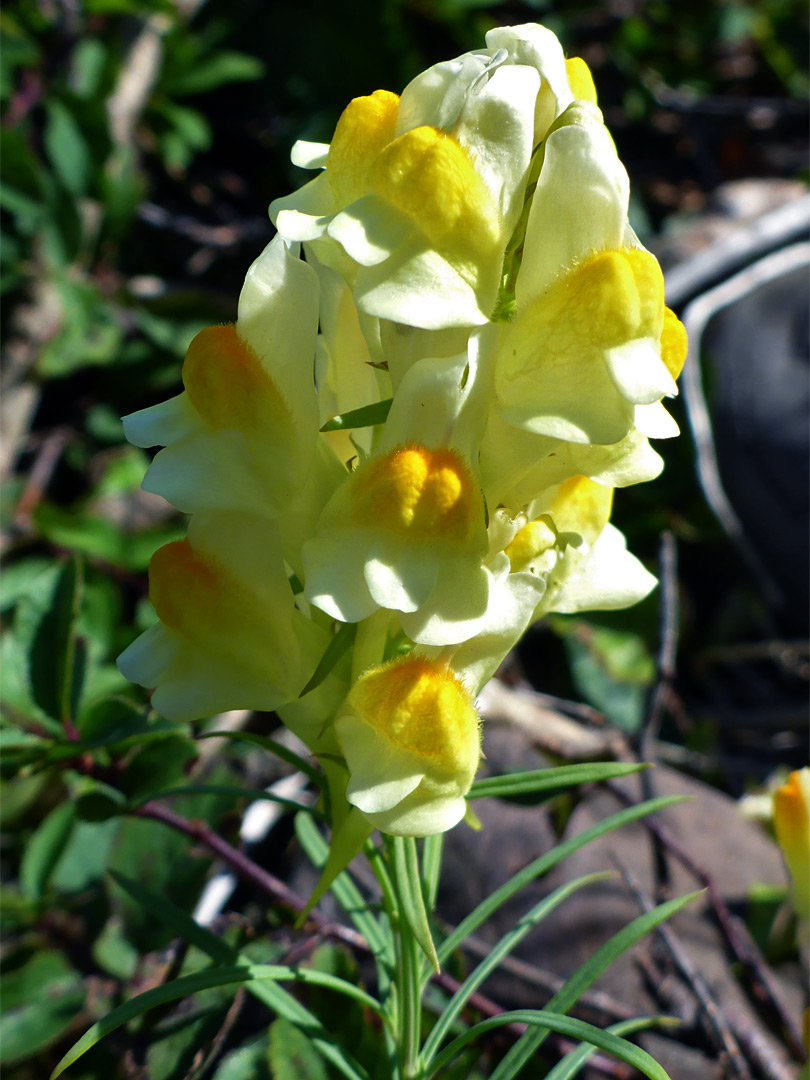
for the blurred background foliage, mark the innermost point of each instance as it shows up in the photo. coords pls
(141, 143)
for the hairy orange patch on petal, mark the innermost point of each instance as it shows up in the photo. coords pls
(417, 493)
(227, 384)
(423, 709)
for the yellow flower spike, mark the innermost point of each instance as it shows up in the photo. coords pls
(673, 343)
(417, 493)
(427, 175)
(410, 735)
(580, 80)
(228, 386)
(791, 817)
(365, 127)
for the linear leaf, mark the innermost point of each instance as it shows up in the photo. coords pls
(335, 651)
(159, 995)
(271, 995)
(346, 892)
(273, 747)
(526, 783)
(366, 416)
(204, 980)
(507, 943)
(408, 883)
(570, 1065)
(544, 863)
(565, 1025)
(579, 982)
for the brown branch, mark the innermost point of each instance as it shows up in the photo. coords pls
(735, 933)
(249, 871)
(716, 1022)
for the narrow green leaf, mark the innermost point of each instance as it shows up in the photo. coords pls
(366, 416)
(160, 995)
(527, 783)
(177, 919)
(565, 1025)
(507, 943)
(432, 848)
(570, 1065)
(587, 974)
(346, 892)
(544, 863)
(273, 747)
(43, 850)
(408, 883)
(335, 651)
(205, 980)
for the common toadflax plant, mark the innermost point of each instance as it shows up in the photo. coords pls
(405, 449)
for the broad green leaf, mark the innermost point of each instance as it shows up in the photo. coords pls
(543, 864)
(506, 944)
(291, 1054)
(612, 669)
(546, 1020)
(570, 1065)
(408, 884)
(543, 780)
(55, 662)
(587, 974)
(43, 850)
(156, 766)
(38, 1002)
(225, 66)
(366, 416)
(66, 147)
(20, 577)
(249, 1062)
(97, 801)
(87, 63)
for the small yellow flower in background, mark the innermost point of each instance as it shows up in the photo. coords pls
(791, 818)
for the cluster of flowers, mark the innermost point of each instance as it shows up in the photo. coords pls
(405, 449)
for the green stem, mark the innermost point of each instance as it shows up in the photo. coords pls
(407, 1015)
(410, 1011)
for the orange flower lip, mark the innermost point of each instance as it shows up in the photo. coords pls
(227, 384)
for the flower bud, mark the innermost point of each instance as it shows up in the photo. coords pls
(791, 818)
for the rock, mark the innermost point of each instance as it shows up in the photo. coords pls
(710, 826)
